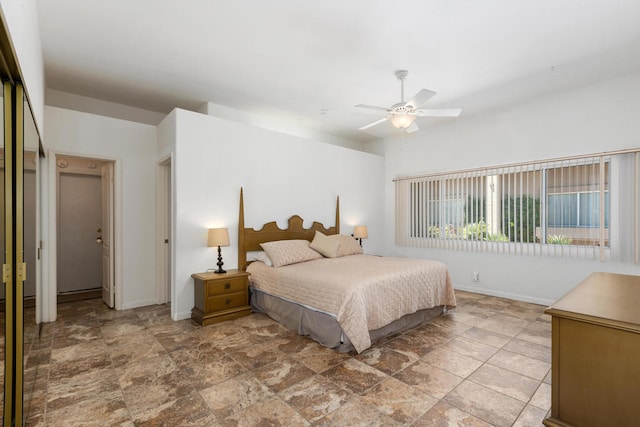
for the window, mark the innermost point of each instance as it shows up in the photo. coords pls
(555, 207)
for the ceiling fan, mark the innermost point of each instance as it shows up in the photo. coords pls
(403, 114)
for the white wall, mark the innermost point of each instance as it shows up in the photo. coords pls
(282, 175)
(601, 117)
(133, 147)
(22, 21)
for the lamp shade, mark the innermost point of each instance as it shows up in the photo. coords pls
(218, 237)
(360, 232)
(402, 121)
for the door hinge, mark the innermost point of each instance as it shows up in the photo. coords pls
(6, 273)
(22, 272)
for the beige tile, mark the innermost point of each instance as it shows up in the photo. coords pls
(520, 364)
(444, 415)
(121, 326)
(450, 325)
(354, 375)
(452, 362)
(188, 410)
(505, 325)
(125, 349)
(173, 340)
(387, 360)
(471, 348)
(322, 359)
(94, 412)
(522, 312)
(150, 370)
(151, 383)
(204, 368)
(529, 349)
(542, 398)
(234, 395)
(540, 325)
(505, 382)
(357, 413)
(271, 411)
(283, 374)
(254, 356)
(78, 351)
(433, 381)
(296, 345)
(315, 397)
(486, 404)
(72, 390)
(530, 417)
(398, 400)
(77, 333)
(486, 337)
(536, 336)
(467, 318)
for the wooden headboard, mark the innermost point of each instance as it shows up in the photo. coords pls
(249, 239)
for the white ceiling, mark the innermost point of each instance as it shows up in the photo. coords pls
(310, 62)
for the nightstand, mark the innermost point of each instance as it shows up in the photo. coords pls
(220, 297)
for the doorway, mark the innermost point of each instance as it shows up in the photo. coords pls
(84, 229)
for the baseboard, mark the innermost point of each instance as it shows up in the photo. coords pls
(509, 295)
(136, 304)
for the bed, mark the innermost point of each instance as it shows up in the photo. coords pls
(344, 299)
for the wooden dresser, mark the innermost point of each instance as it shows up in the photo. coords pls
(596, 353)
(220, 297)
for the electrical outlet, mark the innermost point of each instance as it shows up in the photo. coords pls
(475, 277)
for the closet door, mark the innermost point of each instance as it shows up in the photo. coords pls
(14, 268)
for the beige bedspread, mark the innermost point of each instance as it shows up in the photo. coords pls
(364, 292)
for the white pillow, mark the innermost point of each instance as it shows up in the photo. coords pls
(285, 252)
(348, 245)
(263, 257)
(325, 245)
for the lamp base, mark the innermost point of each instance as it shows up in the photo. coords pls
(220, 263)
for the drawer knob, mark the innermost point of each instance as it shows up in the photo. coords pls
(227, 285)
(227, 302)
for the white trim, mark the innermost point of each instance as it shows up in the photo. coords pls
(49, 289)
(508, 295)
(163, 229)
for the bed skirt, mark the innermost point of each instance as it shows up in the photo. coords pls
(323, 327)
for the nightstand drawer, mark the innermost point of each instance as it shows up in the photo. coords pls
(227, 301)
(219, 287)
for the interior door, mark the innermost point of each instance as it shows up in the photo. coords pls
(108, 291)
(79, 219)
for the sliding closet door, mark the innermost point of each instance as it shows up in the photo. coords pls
(14, 268)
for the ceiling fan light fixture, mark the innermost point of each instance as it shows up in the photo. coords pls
(402, 121)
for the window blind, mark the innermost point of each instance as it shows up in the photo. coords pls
(582, 207)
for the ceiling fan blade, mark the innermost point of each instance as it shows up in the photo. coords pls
(446, 112)
(412, 128)
(371, 107)
(377, 122)
(420, 98)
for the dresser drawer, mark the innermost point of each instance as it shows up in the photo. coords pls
(220, 287)
(227, 301)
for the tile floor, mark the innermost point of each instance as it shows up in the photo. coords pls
(485, 364)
